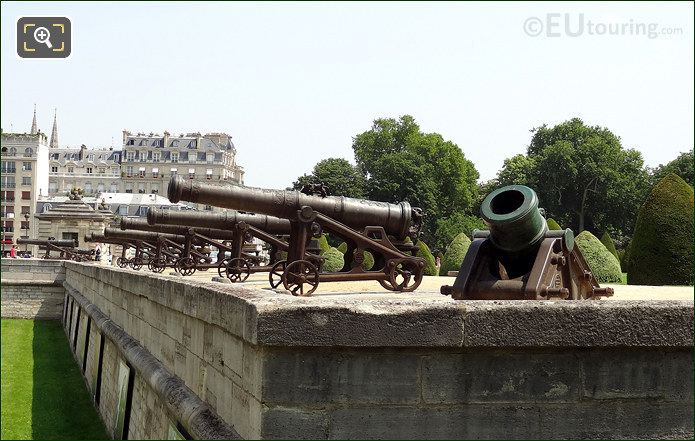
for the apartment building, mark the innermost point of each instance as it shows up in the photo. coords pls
(93, 170)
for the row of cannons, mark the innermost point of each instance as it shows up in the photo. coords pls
(516, 258)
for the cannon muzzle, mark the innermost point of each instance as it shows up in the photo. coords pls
(217, 221)
(399, 220)
(514, 219)
(55, 242)
(147, 236)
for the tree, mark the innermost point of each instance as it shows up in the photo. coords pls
(341, 178)
(661, 251)
(583, 176)
(682, 166)
(455, 252)
(608, 243)
(452, 226)
(401, 163)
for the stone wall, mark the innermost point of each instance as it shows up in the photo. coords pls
(32, 288)
(211, 360)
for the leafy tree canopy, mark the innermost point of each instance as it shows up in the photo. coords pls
(681, 166)
(341, 178)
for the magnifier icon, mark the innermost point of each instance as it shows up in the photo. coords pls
(41, 35)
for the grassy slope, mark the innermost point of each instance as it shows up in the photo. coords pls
(43, 394)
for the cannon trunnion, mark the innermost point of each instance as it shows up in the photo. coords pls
(519, 258)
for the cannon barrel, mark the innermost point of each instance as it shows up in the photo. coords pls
(55, 242)
(147, 236)
(220, 221)
(143, 225)
(399, 220)
(514, 219)
(99, 237)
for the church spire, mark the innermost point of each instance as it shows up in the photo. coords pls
(34, 129)
(54, 133)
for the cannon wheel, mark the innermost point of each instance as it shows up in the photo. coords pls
(136, 263)
(151, 264)
(401, 274)
(222, 267)
(122, 262)
(238, 270)
(158, 265)
(299, 273)
(275, 275)
(186, 266)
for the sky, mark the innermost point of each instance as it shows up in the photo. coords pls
(293, 83)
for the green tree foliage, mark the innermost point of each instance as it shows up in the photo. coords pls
(682, 166)
(334, 260)
(602, 263)
(341, 178)
(625, 259)
(404, 164)
(425, 253)
(661, 251)
(583, 176)
(552, 225)
(610, 246)
(450, 227)
(453, 257)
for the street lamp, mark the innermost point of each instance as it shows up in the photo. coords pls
(26, 218)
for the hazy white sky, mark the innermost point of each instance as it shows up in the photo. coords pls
(293, 83)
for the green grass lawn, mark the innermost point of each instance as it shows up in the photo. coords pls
(43, 393)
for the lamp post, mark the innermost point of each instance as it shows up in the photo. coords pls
(26, 218)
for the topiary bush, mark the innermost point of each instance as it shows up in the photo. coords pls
(602, 263)
(625, 259)
(323, 244)
(342, 247)
(661, 251)
(455, 252)
(608, 243)
(334, 260)
(425, 253)
(552, 225)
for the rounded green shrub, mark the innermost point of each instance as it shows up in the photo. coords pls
(342, 247)
(425, 253)
(334, 260)
(552, 225)
(625, 259)
(661, 251)
(368, 261)
(602, 263)
(455, 252)
(607, 241)
(323, 244)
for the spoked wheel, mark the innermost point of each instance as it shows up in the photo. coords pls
(185, 266)
(222, 267)
(158, 265)
(136, 263)
(122, 262)
(298, 274)
(238, 270)
(403, 275)
(150, 264)
(275, 275)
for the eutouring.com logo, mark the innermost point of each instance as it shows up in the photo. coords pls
(577, 25)
(44, 37)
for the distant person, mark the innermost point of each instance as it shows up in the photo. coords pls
(13, 252)
(97, 255)
(109, 256)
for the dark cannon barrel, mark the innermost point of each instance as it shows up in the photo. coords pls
(399, 220)
(514, 219)
(221, 221)
(99, 237)
(55, 242)
(147, 236)
(144, 225)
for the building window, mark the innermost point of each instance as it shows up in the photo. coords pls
(142, 211)
(154, 189)
(102, 170)
(142, 172)
(7, 196)
(28, 152)
(26, 209)
(175, 143)
(13, 151)
(26, 180)
(8, 211)
(100, 188)
(54, 169)
(71, 169)
(155, 156)
(89, 170)
(114, 187)
(191, 173)
(26, 195)
(130, 142)
(208, 207)
(52, 188)
(129, 171)
(90, 158)
(201, 156)
(193, 144)
(114, 171)
(155, 173)
(26, 166)
(143, 156)
(141, 188)
(7, 182)
(8, 167)
(174, 157)
(25, 225)
(88, 187)
(130, 156)
(9, 227)
(123, 209)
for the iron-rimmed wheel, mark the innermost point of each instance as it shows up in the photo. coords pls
(298, 274)
(238, 270)
(136, 263)
(186, 266)
(404, 275)
(275, 275)
(222, 267)
(122, 262)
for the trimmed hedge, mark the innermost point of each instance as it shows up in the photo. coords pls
(602, 262)
(334, 260)
(607, 241)
(661, 251)
(425, 253)
(323, 244)
(368, 262)
(552, 225)
(342, 247)
(455, 253)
